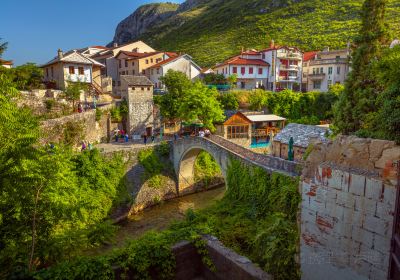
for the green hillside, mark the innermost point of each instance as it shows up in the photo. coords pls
(217, 29)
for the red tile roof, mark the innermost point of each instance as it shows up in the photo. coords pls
(309, 55)
(251, 52)
(245, 61)
(6, 62)
(100, 47)
(137, 54)
(171, 54)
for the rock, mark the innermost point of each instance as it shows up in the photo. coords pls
(376, 148)
(388, 156)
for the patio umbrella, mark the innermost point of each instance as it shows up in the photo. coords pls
(291, 152)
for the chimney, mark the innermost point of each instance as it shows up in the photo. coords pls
(60, 53)
(272, 44)
(115, 44)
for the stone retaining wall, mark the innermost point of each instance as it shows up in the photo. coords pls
(348, 199)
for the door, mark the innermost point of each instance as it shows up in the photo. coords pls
(149, 131)
(394, 267)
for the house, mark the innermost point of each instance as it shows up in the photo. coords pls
(286, 67)
(303, 136)
(107, 57)
(138, 92)
(136, 63)
(321, 69)
(183, 63)
(250, 129)
(6, 63)
(251, 71)
(72, 67)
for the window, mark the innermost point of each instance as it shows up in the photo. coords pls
(147, 61)
(243, 70)
(329, 83)
(119, 64)
(113, 83)
(313, 71)
(126, 63)
(47, 72)
(71, 70)
(133, 88)
(133, 72)
(263, 55)
(338, 70)
(152, 71)
(234, 70)
(80, 71)
(237, 131)
(158, 70)
(142, 88)
(148, 89)
(143, 71)
(151, 60)
(119, 83)
(52, 71)
(251, 70)
(330, 70)
(260, 71)
(133, 63)
(317, 85)
(337, 57)
(322, 70)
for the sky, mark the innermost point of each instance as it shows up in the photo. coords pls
(35, 29)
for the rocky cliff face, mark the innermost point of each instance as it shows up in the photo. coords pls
(144, 17)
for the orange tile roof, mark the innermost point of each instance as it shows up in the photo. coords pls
(137, 54)
(309, 55)
(164, 62)
(6, 62)
(100, 47)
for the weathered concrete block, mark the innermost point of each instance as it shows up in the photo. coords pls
(325, 222)
(334, 210)
(365, 205)
(374, 257)
(366, 238)
(321, 194)
(345, 199)
(374, 189)
(331, 194)
(355, 218)
(342, 229)
(360, 266)
(389, 194)
(308, 215)
(357, 184)
(349, 245)
(384, 211)
(336, 179)
(376, 225)
(377, 274)
(346, 181)
(316, 205)
(382, 243)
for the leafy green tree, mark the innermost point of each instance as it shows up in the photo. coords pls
(214, 79)
(177, 83)
(228, 101)
(25, 77)
(200, 104)
(359, 97)
(3, 47)
(232, 80)
(258, 100)
(73, 92)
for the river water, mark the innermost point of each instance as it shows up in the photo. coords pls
(159, 217)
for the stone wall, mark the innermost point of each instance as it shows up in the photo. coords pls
(89, 130)
(348, 193)
(140, 104)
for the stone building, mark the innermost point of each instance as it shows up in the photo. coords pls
(138, 92)
(302, 135)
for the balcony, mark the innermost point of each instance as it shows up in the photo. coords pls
(289, 79)
(289, 55)
(289, 68)
(329, 61)
(317, 76)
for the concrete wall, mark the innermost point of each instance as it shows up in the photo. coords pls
(348, 198)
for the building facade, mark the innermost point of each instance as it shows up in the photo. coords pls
(6, 63)
(138, 92)
(183, 63)
(251, 71)
(72, 67)
(325, 68)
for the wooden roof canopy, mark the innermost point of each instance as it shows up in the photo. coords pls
(237, 119)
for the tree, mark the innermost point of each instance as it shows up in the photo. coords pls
(361, 91)
(25, 77)
(228, 101)
(73, 92)
(177, 83)
(200, 104)
(3, 47)
(232, 80)
(214, 79)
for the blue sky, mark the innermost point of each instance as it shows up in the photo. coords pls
(35, 29)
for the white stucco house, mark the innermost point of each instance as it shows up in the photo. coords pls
(183, 63)
(72, 67)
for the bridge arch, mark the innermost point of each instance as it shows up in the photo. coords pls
(185, 152)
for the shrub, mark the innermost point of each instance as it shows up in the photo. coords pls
(98, 114)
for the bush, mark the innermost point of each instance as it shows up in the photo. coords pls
(228, 101)
(99, 113)
(49, 103)
(163, 149)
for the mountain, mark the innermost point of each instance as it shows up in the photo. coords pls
(212, 30)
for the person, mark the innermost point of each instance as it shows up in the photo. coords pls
(90, 146)
(175, 136)
(83, 146)
(145, 138)
(126, 138)
(80, 108)
(201, 133)
(152, 138)
(207, 132)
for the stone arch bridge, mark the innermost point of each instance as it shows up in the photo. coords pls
(185, 152)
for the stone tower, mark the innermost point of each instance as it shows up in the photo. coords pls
(138, 92)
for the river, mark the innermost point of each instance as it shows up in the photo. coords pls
(159, 217)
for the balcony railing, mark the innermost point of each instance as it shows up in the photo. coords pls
(290, 55)
(328, 61)
(317, 76)
(289, 78)
(289, 68)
